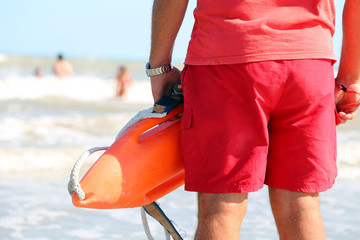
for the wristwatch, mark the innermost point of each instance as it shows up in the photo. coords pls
(150, 72)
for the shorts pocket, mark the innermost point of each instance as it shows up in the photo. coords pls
(186, 119)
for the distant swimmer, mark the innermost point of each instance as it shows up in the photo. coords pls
(38, 73)
(63, 68)
(123, 80)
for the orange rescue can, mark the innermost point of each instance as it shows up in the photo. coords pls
(141, 166)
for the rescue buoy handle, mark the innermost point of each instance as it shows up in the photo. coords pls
(152, 122)
(74, 184)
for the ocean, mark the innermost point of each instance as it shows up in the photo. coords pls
(47, 123)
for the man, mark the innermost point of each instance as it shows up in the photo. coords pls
(259, 105)
(62, 68)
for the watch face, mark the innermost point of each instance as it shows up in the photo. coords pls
(147, 65)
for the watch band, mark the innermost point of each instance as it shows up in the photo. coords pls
(150, 72)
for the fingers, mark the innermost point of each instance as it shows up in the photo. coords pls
(347, 102)
(346, 116)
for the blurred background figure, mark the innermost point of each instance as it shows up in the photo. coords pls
(62, 68)
(123, 81)
(38, 73)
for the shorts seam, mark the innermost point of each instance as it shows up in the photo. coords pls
(306, 188)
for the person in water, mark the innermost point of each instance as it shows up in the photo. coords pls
(123, 81)
(259, 105)
(63, 68)
(38, 73)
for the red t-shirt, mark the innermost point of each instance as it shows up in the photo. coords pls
(237, 31)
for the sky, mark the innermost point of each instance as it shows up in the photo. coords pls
(109, 29)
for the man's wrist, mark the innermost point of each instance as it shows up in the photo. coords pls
(150, 72)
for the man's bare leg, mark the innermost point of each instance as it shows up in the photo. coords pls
(220, 215)
(297, 215)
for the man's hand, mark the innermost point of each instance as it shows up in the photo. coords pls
(162, 84)
(349, 68)
(347, 102)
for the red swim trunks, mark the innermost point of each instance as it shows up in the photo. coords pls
(271, 122)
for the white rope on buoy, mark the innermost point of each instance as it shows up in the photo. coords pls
(74, 185)
(144, 114)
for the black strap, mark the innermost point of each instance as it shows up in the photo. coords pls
(167, 103)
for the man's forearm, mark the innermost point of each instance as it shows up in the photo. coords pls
(349, 69)
(167, 17)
